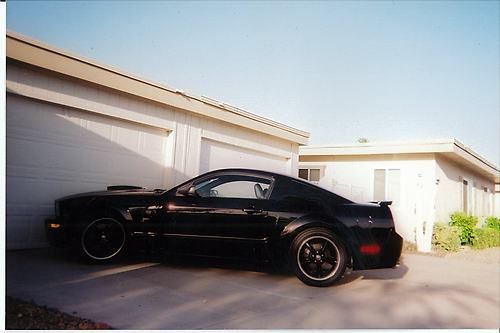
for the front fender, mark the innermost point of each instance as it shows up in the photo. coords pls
(102, 208)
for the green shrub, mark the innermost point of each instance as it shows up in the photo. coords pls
(467, 225)
(493, 222)
(446, 237)
(409, 247)
(487, 237)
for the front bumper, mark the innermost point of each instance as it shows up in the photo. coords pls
(57, 235)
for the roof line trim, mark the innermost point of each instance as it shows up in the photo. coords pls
(300, 136)
(430, 146)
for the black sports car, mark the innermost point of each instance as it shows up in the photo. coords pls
(234, 213)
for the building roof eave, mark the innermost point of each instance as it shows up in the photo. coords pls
(450, 148)
(24, 49)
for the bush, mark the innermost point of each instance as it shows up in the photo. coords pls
(409, 247)
(493, 222)
(446, 237)
(487, 237)
(467, 225)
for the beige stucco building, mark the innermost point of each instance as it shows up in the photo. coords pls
(74, 125)
(427, 181)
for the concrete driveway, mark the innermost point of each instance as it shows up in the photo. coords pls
(424, 292)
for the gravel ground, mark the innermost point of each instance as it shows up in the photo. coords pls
(22, 315)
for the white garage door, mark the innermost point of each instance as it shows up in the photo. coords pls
(54, 151)
(217, 155)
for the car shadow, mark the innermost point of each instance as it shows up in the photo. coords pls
(184, 261)
(245, 264)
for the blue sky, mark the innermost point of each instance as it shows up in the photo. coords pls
(341, 70)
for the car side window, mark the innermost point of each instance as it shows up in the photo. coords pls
(242, 187)
(297, 196)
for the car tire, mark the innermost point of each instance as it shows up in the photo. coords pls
(102, 240)
(318, 257)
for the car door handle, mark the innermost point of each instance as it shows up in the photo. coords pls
(252, 210)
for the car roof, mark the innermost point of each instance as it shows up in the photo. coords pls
(275, 175)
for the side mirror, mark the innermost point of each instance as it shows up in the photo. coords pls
(190, 192)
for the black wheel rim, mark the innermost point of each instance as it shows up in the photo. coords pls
(318, 258)
(103, 238)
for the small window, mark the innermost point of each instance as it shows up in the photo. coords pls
(312, 175)
(386, 185)
(465, 196)
(304, 173)
(379, 185)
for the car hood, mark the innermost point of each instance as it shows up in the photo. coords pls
(113, 193)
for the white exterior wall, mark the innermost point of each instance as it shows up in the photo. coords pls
(496, 211)
(430, 188)
(353, 178)
(449, 194)
(184, 133)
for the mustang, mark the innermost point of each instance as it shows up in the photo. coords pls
(234, 213)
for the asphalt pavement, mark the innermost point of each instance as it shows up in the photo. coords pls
(423, 292)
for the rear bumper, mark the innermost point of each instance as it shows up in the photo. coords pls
(377, 256)
(392, 250)
(57, 235)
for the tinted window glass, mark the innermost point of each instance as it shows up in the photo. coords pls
(234, 186)
(241, 189)
(303, 173)
(297, 196)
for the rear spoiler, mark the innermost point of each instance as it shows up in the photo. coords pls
(382, 203)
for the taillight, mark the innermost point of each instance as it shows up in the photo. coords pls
(370, 249)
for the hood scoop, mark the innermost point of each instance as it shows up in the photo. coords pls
(124, 187)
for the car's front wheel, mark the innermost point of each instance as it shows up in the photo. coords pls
(103, 239)
(318, 257)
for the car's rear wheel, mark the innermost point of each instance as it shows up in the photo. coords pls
(318, 257)
(103, 239)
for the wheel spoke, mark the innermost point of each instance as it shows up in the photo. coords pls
(318, 269)
(331, 260)
(305, 259)
(323, 248)
(311, 268)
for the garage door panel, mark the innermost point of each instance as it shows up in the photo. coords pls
(18, 229)
(218, 155)
(54, 123)
(25, 153)
(94, 127)
(62, 158)
(30, 118)
(128, 139)
(71, 151)
(154, 145)
(23, 190)
(22, 172)
(95, 162)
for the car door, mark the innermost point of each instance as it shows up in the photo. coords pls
(225, 215)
